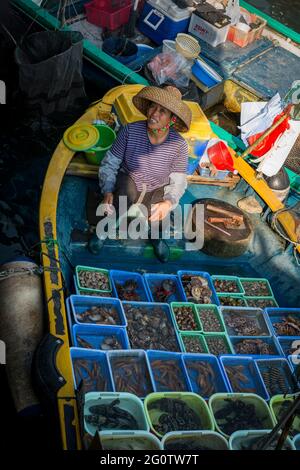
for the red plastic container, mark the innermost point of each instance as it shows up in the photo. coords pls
(111, 5)
(220, 156)
(105, 18)
(242, 38)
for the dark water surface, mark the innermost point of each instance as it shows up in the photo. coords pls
(286, 12)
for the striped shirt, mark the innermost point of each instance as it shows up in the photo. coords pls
(147, 163)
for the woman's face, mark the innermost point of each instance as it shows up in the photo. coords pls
(158, 116)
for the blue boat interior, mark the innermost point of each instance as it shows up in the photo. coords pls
(266, 257)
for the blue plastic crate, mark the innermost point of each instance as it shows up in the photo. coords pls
(288, 343)
(207, 364)
(100, 378)
(253, 382)
(255, 315)
(271, 341)
(70, 319)
(174, 381)
(214, 297)
(277, 375)
(120, 277)
(277, 315)
(81, 303)
(153, 342)
(95, 335)
(153, 281)
(158, 25)
(131, 372)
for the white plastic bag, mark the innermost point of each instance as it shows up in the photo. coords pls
(233, 11)
(170, 66)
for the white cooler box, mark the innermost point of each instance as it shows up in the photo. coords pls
(162, 19)
(208, 32)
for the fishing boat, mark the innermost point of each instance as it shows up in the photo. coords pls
(63, 208)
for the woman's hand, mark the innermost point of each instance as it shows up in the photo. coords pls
(160, 211)
(108, 201)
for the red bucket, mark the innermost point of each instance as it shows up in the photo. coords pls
(220, 156)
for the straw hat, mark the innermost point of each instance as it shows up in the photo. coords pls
(170, 98)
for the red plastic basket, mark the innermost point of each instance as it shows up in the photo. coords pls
(107, 19)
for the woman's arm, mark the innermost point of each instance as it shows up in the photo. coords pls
(112, 161)
(176, 188)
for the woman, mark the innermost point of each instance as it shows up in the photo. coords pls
(149, 158)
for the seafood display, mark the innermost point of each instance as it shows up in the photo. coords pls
(254, 346)
(95, 294)
(150, 328)
(193, 344)
(277, 378)
(196, 289)
(261, 302)
(226, 285)
(104, 314)
(239, 378)
(288, 326)
(258, 288)
(106, 343)
(245, 323)
(168, 376)
(130, 374)
(232, 301)
(128, 290)
(163, 291)
(217, 344)
(204, 377)
(90, 373)
(186, 318)
(111, 416)
(178, 444)
(210, 320)
(258, 441)
(236, 415)
(175, 415)
(96, 280)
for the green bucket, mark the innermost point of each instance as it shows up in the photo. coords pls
(95, 154)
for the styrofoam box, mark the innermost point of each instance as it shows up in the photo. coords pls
(208, 32)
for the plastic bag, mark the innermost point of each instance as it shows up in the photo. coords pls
(170, 66)
(269, 141)
(233, 11)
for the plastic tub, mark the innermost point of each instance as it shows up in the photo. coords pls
(96, 336)
(80, 304)
(243, 375)
(206, 311)
(219, 401)
(106, 18)
(155, 291)
(90, 293)
(251, 290)
(259, 323)
(279, 405)
(261, 302)
(121, 49)
(279, 315)
(92, 270)
(205, 74)
(127, 401)
(161, 332)
(169, 45)
(230, 285)
(224, 347)
(232, 300)
(94, 361)
(107, 137)
(290, 345)
(206, 276)
(193, 315)
(277, 376)
(199, 343)
(296, 442)
(191, 400)
(119, 278)
(129, 440)
(197, 365)
(194, 440)
(131, 372)
(242, 35)
(242, 440)
(168, 372)
(271, 342)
